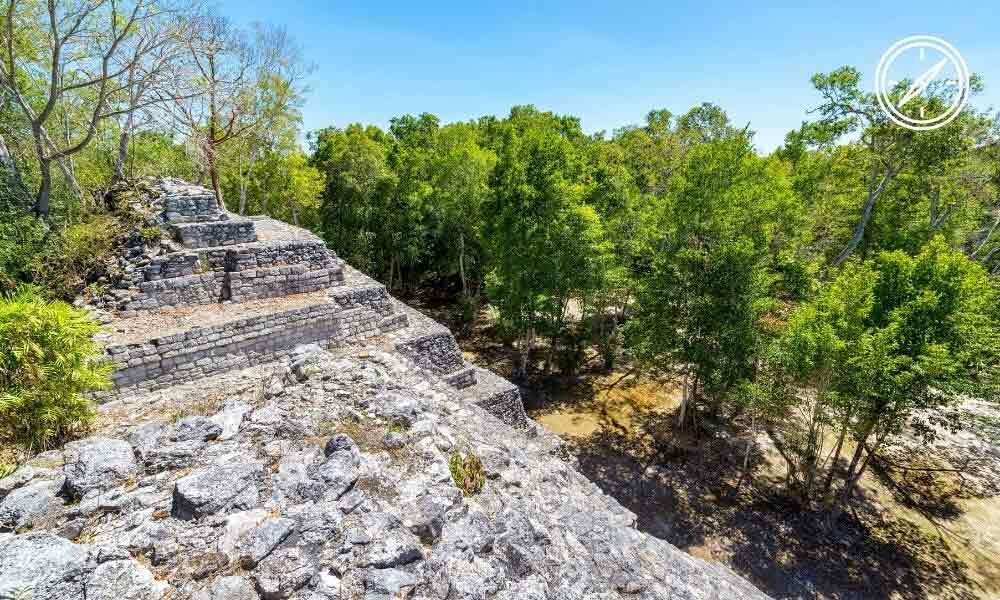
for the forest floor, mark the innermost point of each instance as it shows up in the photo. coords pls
(915, 535)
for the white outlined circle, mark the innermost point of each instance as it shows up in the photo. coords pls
(882, 87)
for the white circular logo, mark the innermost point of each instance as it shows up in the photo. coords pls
(937, 78)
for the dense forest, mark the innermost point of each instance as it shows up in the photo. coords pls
(827, 295)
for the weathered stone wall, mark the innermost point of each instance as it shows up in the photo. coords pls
(168, 266)
(243, 286)
(191, 290)
(215, 233)
(201, 351)
(241, 274)
(437, 352)
(374, 297)
(190, 208)
(313, 254)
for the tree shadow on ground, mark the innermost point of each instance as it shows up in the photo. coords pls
(682, 491)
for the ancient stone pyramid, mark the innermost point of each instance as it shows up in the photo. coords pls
(222, 292)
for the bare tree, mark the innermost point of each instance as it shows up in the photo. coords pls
(91, 45)
(154, 77)
(246, 80)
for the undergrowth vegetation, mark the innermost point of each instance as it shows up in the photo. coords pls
(48, 363)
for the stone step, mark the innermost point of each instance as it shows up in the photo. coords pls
(353, 294)
(151, 358)
(498, 397)
(252, 271)
(215, 233)
(265, 254)
(462, 378)
(393, 322)
(188, 290)
(195, 206)
(273, 282)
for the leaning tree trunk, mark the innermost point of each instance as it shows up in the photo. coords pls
(461, 264)
(866, 215)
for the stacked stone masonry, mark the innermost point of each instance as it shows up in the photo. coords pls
(158, 362)
(253, 265)
(206, 234)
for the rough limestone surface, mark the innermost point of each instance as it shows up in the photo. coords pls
(97, 463)
(301, 493)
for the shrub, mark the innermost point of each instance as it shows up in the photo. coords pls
(78, 255)
(21, 238)
(48, 361)
(467, 471)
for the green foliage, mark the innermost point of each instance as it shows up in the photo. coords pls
(151, 234)
(21, 240)
(886, 344)
(48, 362)
(467, 471)
(78, 255)
(711, 282)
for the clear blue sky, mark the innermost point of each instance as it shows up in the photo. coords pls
(606, 62)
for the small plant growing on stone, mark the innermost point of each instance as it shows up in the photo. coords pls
(203, 266)
(150, 235)
(467, 471)
(398, 427)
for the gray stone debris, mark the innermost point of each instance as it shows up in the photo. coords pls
(216, 489)
(41, 565)
(97, 463)
(228, 588)
(261, 540)
(298, 497)
(24, 506)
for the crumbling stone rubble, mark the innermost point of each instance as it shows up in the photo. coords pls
(330, 481)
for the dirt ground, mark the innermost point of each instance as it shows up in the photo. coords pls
(917, 534)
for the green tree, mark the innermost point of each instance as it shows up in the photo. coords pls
(541, 238)
(910, 173)
(887, 346)
(358, 180)
(460, 171)
(711, 281)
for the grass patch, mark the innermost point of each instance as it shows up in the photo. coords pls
(467, 471)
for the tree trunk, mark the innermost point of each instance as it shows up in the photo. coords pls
(866, 215)
(44, 189)
(243, 187)
(852, 476)
(745, 472)
(983, 242)
(832, 468)
(213, 174)
(123, 141)
(461, 263)
(685, 400)
(243, 197)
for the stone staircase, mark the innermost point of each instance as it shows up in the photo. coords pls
(223, 293)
